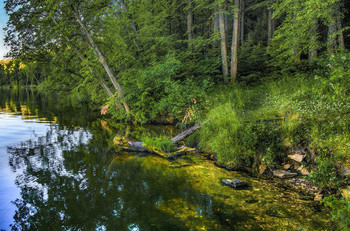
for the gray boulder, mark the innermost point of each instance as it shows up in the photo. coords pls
(234, 183)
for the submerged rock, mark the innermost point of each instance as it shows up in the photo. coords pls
(235, 183)
(303, 185)
(284, 174)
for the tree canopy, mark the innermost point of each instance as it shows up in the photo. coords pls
(152, 58)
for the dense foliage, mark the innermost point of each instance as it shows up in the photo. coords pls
(152, 59)
(176, 61)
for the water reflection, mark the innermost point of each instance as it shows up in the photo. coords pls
(66, 182)
(72, 178)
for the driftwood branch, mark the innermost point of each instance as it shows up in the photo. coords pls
(185, 133)
(137, 146)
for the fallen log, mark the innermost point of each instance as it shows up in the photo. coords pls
(185, 133)
(137, 146)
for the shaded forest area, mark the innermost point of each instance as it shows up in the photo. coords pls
(274, 74)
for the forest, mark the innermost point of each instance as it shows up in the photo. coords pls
(271, 76)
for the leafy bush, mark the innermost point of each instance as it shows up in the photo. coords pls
(158, 92)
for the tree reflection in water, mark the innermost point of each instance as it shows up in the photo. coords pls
(73, 178)
(67, 182)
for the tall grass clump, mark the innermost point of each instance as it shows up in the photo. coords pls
(262, 124)
(242, 134)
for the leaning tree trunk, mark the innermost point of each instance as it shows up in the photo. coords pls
(99, 80)
(234, 47)
(102, 60)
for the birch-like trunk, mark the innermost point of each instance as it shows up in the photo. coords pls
(234, 46)
(190, 24)
(102, 60)
(100, 81)
(223, 43)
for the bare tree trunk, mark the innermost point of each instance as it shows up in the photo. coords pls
(190, 24)
(242, 8)
(223, 42)
(109, 93)
(313, 50)
(137, 146)
(185, 133)
(99, 80)
(234, 47)
(340, 35)
(226, 18)
(269, 27)
(102, 60)
(332, 42)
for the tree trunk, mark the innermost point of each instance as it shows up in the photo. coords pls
(269, 26)
(99, 80)
(102, 60)
(190, 24)
(340, 35)
(226, 20)
(313, 50)
(185, 133)
(137, 146)
(332, 42)
(223, 43)
(234, 47)
(242, 8)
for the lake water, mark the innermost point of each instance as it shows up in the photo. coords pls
(60, 171)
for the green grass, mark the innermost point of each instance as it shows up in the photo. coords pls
(160, 144)
(261, 124)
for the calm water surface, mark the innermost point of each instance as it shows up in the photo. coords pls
(60, 171)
